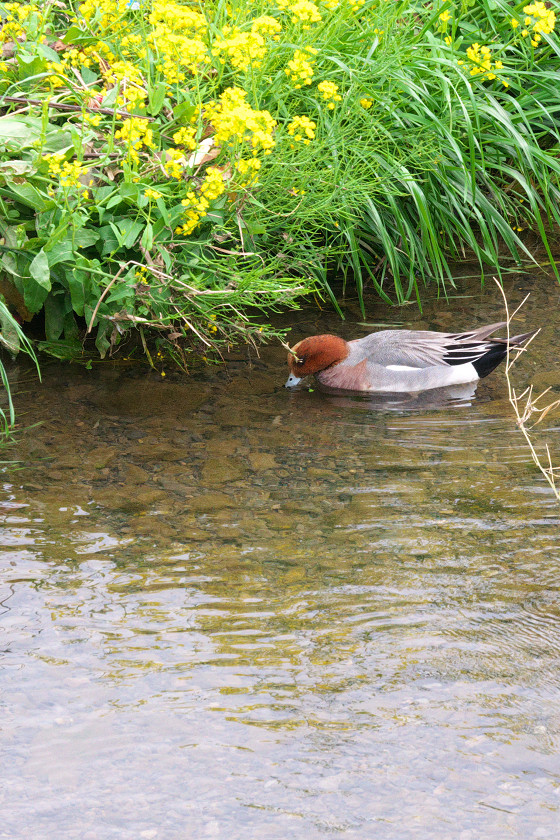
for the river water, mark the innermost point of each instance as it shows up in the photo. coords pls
(233, 611)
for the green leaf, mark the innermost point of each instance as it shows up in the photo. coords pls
(39, 270)
(9, 335)
(102, 342)
(157, 96)
(127, 231)
(162, 207)
(30, 66)
(29, 195)
(12, 128)
(75, 35)
(85, 237)
(47, 52)
(34, 295)
(88, 75)
(147, 237)
(60, 252)
(11, 168)
(108, 240)
(183, 111)
(129, 191)
(55, 311)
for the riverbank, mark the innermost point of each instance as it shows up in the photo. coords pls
(182, 171)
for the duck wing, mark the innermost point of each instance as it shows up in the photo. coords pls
(423, 349)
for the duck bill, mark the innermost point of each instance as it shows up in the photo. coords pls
(292, 381)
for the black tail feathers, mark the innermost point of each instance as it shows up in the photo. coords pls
(498, 352)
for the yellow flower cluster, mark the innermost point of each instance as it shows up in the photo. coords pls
(329, 92)
(248, 169)
(267, 26)
(131, 84)
(137, 134)
(100, 52)
(176, 40)
(141, 273)
(177, 17)
(356, 5)
(366, 102)
(481, 60)
(132, 45)
(234, 121)
(185, 137)
(152, 194)
(174, 164)
(244, 49)
(302, 11)
(68, 174)
(197, 204)
(178, 54)
(56, 79)
(300, 69)
(16, 22)
(302, 129)
(92, 119)
(539, 21)
(108, 14)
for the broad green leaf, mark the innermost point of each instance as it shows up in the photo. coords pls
(147, 239)
(60, 252)
(29, 195)
(75, 35)
(157, 96)
(17, 168)
(55, 312)
(9, 335)
(39, 270)
(85, 237)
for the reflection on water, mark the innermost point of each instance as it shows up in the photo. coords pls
(228, 610)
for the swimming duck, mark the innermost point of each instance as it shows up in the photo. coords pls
(401, 360)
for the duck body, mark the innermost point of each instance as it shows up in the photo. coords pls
(397, 361)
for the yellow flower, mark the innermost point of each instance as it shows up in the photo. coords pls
(244, 49)
(185, 137)
(481, 62)
(92, 119)
(300, 69)
(302, 129)
(266, 25)
(235, 122)
(174, 163)
(366, 102)
(68, 174)
(445, 16)
(248, 169)
(153, 194)
(329, 92)
(197, 204)
(539, 21)
(137, 134)
(302, 11)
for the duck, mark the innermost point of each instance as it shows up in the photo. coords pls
(399, 361)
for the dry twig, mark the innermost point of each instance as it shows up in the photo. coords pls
(527, 407)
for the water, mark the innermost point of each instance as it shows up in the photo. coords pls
(232, 611)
